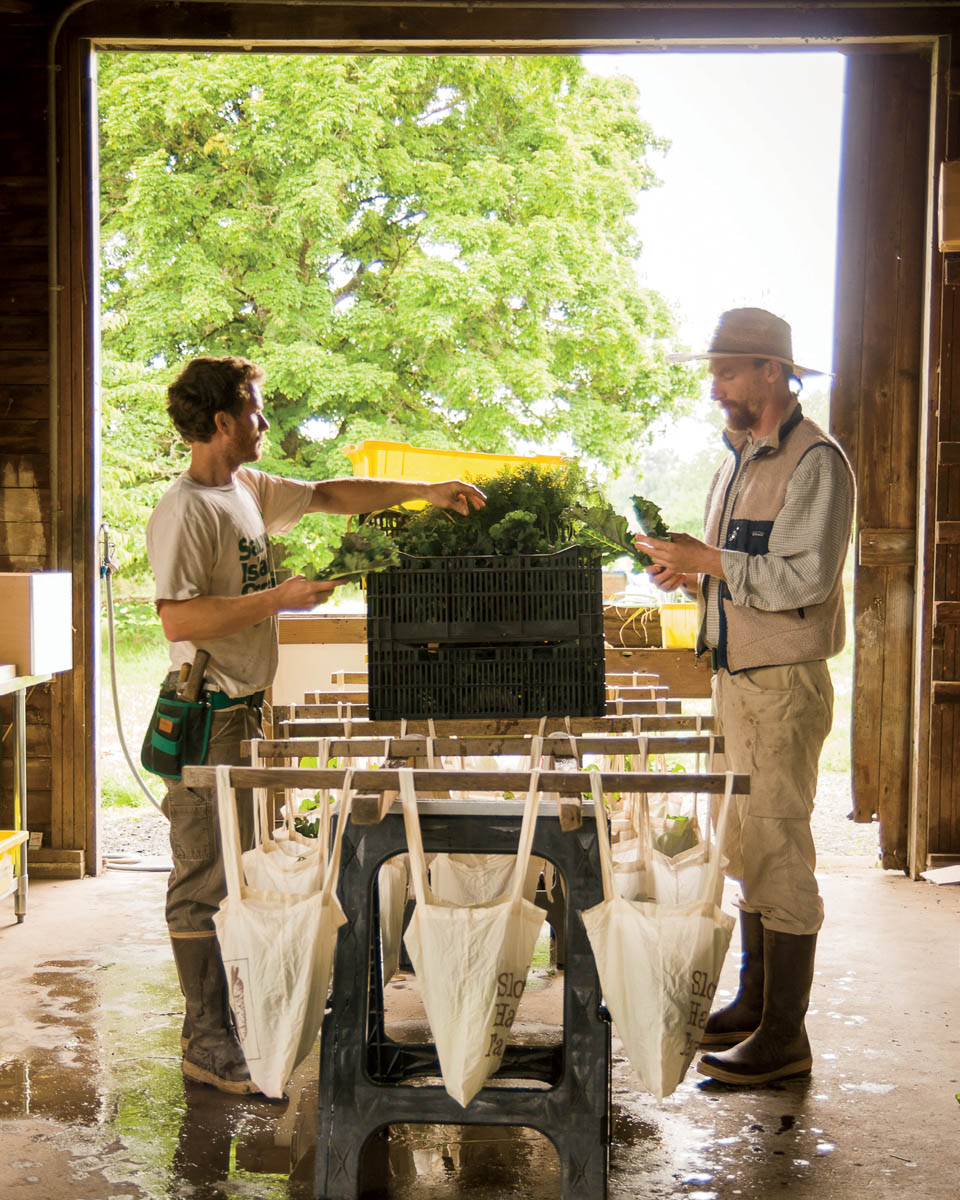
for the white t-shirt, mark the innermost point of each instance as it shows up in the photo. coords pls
(212, 541)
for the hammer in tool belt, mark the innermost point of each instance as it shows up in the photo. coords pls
(191, 677)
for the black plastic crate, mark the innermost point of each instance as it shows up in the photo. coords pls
(485, 598)
(558, 679)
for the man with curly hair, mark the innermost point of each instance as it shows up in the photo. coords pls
(208, 541)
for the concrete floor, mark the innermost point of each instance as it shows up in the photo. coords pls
(93, 1105)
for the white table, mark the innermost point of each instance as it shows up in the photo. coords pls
(18, 686)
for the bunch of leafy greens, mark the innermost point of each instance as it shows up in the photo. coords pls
(600, 526)
(359, 553)
(679, 834)
(529, 510)
(524, 514)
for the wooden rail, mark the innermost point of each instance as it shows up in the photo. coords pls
(674, 723)
(473, 746)
(376, 791)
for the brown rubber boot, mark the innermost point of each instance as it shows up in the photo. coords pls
(212, 1054)
(730, 1025)
(779, 1048)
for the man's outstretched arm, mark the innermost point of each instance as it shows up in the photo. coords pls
(358, 494)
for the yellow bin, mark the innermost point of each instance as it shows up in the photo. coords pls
(400, 460)
(10, 842)
(678, 625)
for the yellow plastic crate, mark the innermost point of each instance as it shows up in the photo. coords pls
(10, 842)
(400, 460)
(678, 624)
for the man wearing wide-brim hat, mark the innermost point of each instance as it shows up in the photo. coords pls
(767, 577)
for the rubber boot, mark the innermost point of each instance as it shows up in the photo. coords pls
(779, 1048)
(730, 1025)
(212, 1054)
(186, 1028)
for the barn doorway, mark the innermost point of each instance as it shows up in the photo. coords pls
(733, 224)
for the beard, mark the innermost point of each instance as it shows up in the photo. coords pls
(742, 415)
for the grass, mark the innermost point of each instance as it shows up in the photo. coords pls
(142, 661)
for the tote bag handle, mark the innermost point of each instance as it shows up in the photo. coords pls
(331, 874)
(712, 880)
(411, 825)
(610, 889)
(531, 811)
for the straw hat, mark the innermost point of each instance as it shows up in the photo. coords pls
(751, 333)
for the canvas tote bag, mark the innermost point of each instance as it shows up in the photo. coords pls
(658, 964)
(471, 961)
(277, 950)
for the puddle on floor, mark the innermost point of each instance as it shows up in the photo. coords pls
(95, 1108)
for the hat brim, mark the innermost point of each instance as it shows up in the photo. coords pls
(795, 368)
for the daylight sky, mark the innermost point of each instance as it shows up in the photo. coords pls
(747, 211)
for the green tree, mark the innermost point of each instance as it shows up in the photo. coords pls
(436, 250)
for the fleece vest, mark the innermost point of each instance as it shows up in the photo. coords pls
(751, 637)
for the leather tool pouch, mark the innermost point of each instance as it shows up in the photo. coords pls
(178, 733)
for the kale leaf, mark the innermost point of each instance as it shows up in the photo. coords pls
(359, 553)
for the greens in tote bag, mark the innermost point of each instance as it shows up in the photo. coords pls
(471, 961)
(658, 964)
(277, 950)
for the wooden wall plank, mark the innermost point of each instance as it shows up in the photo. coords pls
(24, 504)
(31, 538)
(28, 332)
(876, 400)
(23, 296)
(23, 437)
(887, 547)
(29, 403)
(944, 770)
(24, 470)
(24, 367)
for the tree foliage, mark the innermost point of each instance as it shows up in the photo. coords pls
(428, 249)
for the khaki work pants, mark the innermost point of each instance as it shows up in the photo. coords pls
(774, 721)
(197, 883)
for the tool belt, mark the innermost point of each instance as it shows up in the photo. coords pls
(179, 729)
(222, 700)
(178, 733)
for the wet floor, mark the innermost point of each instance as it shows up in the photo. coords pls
(93, 1105)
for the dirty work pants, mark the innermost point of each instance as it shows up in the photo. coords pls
(774, 721)
(197, 884)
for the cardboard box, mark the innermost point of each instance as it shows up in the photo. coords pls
(949, 207)
(36, 621)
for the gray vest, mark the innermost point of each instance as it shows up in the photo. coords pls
(751, 637)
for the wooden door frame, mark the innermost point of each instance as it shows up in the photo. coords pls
(110, 25)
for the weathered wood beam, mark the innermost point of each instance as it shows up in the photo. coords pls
(887, 547)
(529, 725)
(365, 747)
(384, 779)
